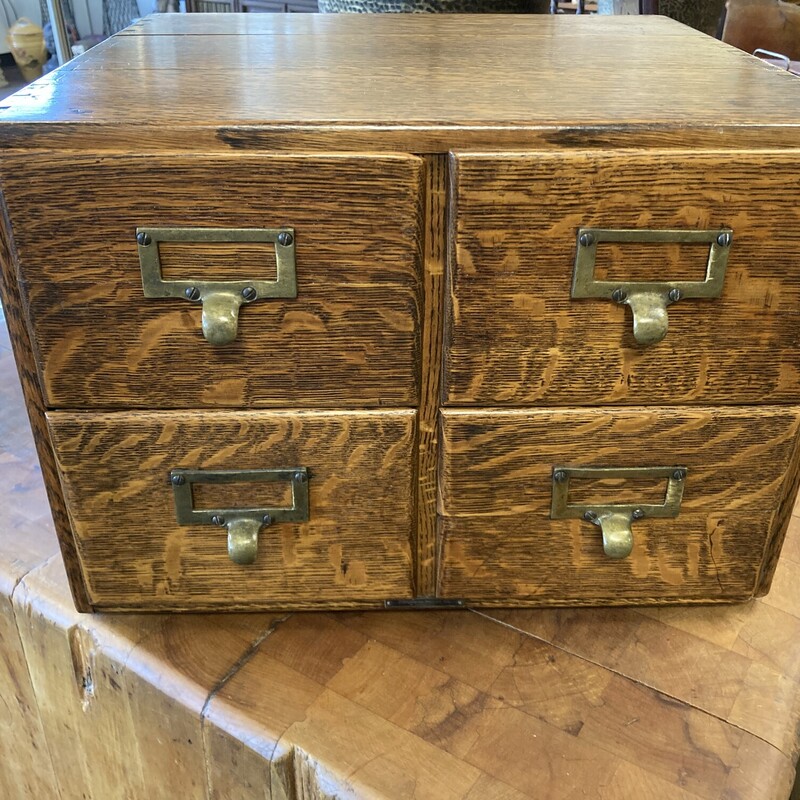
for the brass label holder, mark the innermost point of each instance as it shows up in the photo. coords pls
(648, 300)
(614, 519)
(221, 300)
(242, 524)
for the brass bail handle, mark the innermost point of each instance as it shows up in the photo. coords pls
(243, 539)
(616, 530)
(220, 318)
(243, 525)
(615, 519)
(650, 319)
(649, 300)
(221, 300)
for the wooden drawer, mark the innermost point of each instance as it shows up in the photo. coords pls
(500, 544)
(516, 336)
(354, 548)
(348, 338)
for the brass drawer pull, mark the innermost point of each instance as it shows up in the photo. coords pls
(648, 300)
(221, 300)
(614, 519)
(242, 524)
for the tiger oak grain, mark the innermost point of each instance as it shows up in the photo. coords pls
(465, 82)
(27, 368)
(435, 170)
(355, 548)
(516, 337)
(498, 540)
(350, 338)
(427, 423)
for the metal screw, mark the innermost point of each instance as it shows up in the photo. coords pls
(285, 238)
(267, 519)
(618, 296)
(586, 240)
(218, 520)
(724, 240)
(637, 513)
(559, 476)
(143, 239)
(192, 293)
(590, 516)
(301, 477)
(249, 293)
(178, 480)
(675, 295)
(679, 474)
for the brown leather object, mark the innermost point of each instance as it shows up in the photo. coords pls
(768, 24)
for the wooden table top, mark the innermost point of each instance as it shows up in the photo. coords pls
(603, 703)
(425, 83)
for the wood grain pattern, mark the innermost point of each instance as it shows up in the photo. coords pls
(650, 703)
(712, 85)
(26, 764)
(355, 550)
(122, 698)
(375, 138)
(366, 330)
(502, 705)
(427, 424)
(350, 338)
(783, 515)
(29, 379)
(496, 490)
(516, 337)
(349, 49)
(330, 25)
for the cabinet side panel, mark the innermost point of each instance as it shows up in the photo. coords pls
(780, 524)
(26, 365)
(428, 445)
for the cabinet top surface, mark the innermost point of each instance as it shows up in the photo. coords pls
(443, 72)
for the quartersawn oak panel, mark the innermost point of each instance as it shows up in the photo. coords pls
(354, 550)
(350, 338)
(514, 335)
(453, 78)
(428, 418)
(27, 369)
(498, 540)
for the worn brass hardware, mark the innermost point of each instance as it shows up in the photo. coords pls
(614, 519)
(648, 300)
(243, 524)
(420, 603)
(221, 299)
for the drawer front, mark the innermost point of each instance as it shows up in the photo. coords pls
(145, 497)
(521, 330)
(334, 322)
(698, 535)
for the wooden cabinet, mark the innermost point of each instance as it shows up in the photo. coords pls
(386, 310)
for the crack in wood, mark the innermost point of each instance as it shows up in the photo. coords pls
(662, 695)
(237, 665)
